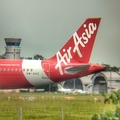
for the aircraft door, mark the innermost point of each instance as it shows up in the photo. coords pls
(46, 71)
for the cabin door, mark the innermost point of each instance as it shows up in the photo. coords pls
(46, 71)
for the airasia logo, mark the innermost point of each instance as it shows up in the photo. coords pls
(82, 41)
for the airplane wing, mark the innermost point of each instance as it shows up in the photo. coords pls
(76, 69)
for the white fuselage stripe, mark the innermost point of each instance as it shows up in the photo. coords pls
(33, 72)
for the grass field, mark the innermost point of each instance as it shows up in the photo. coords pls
(45, 106)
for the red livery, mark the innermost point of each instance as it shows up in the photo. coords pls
(71, 61)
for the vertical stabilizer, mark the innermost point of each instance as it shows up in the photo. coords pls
(80, 45)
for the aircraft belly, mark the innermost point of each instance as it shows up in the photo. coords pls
(34, 72)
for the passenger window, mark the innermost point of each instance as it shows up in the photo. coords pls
(0, 69)
(8, 69)
(27, 69)
(12, 69)
(4, 69)
(23, 69)
(16, 69)
(31, 69)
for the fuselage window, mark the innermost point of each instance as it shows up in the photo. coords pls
(8, 69)
(4, 69)
(31, 69)
(12, 69)
(27, 69)
(0, 69)
(16, 69)
(23, 69)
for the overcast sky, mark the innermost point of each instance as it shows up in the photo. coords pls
(45, 25)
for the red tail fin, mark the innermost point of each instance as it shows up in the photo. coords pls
(80, 45)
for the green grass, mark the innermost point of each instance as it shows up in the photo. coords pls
(82, 107)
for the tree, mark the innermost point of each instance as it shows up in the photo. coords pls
(114, 98)
(2, 56)
(114, 68)
(37, 56)
(107, 67)
(110, 68)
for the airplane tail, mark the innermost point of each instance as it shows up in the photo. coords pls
(59, 86)
(80, 45)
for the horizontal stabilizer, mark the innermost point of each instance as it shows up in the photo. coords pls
(76, 69)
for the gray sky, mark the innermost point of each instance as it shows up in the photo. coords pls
(45, 25)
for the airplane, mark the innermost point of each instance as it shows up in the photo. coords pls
(80, 91)
(63, 90)
(68, 91)
(71, 61)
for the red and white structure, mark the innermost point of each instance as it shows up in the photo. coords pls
(71, 61)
